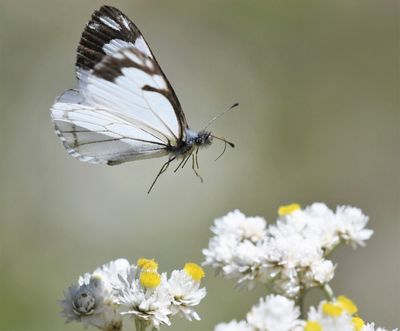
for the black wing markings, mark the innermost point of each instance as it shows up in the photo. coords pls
(97, 33)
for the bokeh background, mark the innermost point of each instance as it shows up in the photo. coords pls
(318, 85)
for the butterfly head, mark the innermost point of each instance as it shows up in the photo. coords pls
(203, 138)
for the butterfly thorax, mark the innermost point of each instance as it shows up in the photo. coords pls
(192, 141)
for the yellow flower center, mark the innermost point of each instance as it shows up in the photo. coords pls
(312, 326)
(146, 264)
(347, 304)
(194, 271)
(331, 309)
(150, 279)
(358, 323)
(288, 209)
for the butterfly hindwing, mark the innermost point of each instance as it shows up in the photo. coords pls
(97, 136)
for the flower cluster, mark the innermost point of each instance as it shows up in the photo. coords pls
(118, 288)
(277, 313)
(289, 256)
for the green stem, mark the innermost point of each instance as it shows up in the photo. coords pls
(329, 252)
(140, 325)
(328, 292)
(300, 304)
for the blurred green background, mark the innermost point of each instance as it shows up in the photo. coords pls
(318, 85)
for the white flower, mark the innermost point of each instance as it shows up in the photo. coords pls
(291, 248)
(220, 251)
(316, 223)
(91, 302)
(351, 225)
(319, 222)
(247, 254)
(186, 293)
(233, 326)
(242, 259)
(111, 271)
(242, 227)
(371, 327)
(250, 265)
(150, 304)
(290, 255)
(330, 318)
(296, 258)
(321, 271)
(287, 283)
(139, 291)
(274, 313)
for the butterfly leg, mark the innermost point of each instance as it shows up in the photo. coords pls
(162, 170)
(187, 159)
(184, 160)
(197, 159)
(194, 167)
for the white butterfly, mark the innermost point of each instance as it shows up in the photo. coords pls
(123, 108)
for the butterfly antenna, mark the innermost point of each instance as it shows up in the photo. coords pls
(226, 143)
(223, 151)
(220, 114)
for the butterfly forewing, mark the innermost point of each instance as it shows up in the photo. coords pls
(131, 84)
(108, 31)
(124, 107)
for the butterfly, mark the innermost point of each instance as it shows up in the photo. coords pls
(123, 108)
